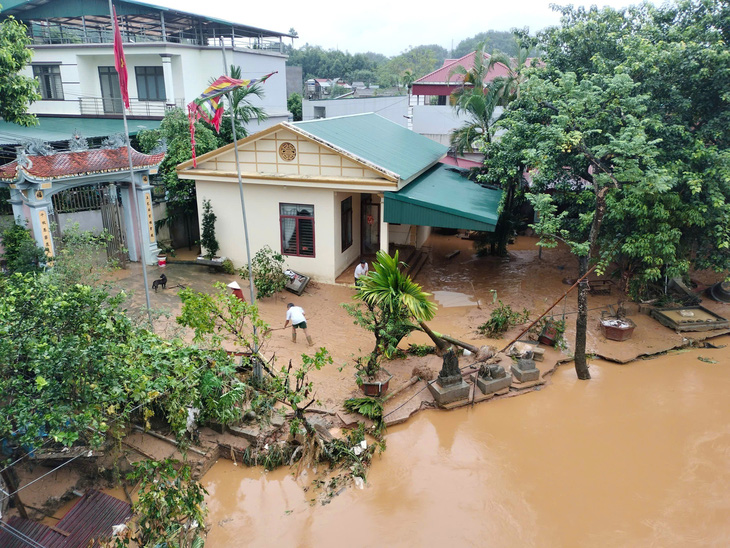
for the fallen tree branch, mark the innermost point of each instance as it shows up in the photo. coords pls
(168, 440)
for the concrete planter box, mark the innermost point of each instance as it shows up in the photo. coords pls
(490, 387)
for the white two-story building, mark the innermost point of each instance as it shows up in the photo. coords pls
(171, 56)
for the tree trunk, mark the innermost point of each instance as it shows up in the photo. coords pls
(12, 485)
(581, 323)
(438, 341)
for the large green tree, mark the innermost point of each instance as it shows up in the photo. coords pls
(495, 40)
(624, 131)
(180, 193)
(17, 91)
(73, 367)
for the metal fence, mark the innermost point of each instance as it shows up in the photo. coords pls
(86, 198)
(56, 33)
(100, 106)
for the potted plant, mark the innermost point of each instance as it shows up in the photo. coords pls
(388, 302)
(373, 379)
(208, 239)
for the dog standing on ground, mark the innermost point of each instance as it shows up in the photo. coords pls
(162, 281)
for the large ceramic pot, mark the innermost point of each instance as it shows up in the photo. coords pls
(617, 330)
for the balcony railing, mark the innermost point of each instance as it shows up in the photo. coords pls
(56, 33)
(109, 106)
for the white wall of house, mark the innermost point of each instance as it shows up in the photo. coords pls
(399, 234)
(422, 235)
(344, 258)
(192, 69)
(394, 109)
(438, 121)
(262, 207)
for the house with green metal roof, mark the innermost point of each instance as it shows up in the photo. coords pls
(171, 55)
(327, 192)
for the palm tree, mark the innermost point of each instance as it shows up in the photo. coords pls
(389, 289)
(477, 101)
(408, 79)
(507, 88)
(244, 111)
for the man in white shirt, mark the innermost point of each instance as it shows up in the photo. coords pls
(360, 271)
(295, 315)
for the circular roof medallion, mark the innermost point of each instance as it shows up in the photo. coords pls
(287, 151)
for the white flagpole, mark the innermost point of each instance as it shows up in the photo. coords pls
(133, 197)
(258, 373)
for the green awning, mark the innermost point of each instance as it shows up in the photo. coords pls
(443, 198)
(52, 129)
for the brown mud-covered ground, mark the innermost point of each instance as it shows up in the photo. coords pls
(465, 287)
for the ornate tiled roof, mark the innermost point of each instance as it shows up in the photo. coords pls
(62, 165)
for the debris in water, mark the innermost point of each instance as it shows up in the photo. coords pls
(706, 360)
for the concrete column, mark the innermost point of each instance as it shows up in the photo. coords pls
(167, 73)
(384, 237)
(41, 225)
(16, 200)
(147, 226)
(130, 222)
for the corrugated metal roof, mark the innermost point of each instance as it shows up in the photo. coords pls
(442, 197)
(52, 128)
(90, 518)
(41, 9)
(378, 141)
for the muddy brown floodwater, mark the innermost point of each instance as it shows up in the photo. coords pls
(637, 456)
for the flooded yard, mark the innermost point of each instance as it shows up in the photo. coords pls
(637, 456)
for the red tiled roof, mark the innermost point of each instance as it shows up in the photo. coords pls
(90, 518)
(441, 75)
(74, 164)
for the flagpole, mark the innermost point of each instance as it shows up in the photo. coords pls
(256, 363)
(133, 198)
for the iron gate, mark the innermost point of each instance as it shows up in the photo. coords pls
(103, 198)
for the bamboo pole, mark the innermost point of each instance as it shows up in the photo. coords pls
(572, 287)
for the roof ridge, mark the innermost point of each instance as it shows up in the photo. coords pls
(451, 64)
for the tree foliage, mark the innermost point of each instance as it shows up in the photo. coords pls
(170, 510)
(493, 40)
(624, 132)
(294, 105)
(475, 100)
(74, 368)
(389, 303)
(17, 91)
(21, 252)
(221, 316)
(207, 238)
(268, 272)
(175, 132)
(317, 62)
(418, 60)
